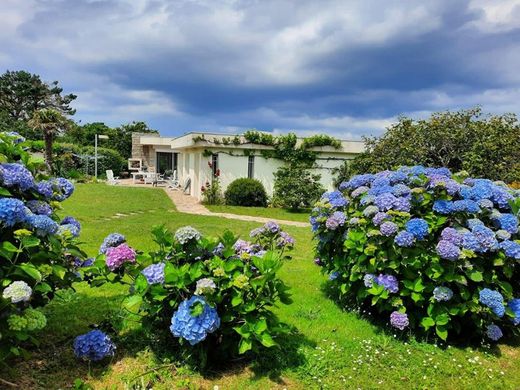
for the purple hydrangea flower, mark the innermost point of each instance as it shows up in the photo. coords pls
(388, 229)
(399, 320)
(418, 227)
(359, 191)
(452, 235)
(94, 345)
(501, 197)
(404, 239)
(318, 262)
(385, 201)
(389, 282)
(154, 273)
(402, 204)
(272, 226)
(39, 207)
(486, 237)
(257, 232)
(117, 256)
(337, 219)
(448, 250)
(285, 240)
(379, 218)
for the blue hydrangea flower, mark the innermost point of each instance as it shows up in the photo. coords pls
(94, 345)
(337, 219)
(404, 239)
(472, 222)
(418, 227)
(272, 226)
(385, 201)
(470, 241)
(12, 211)
(335, 198)
(39, 207)
(389, 282)
(485, 203)
(194, 329)
(367, 199)
(379, 218)
(71, 225)
(154, 273)
(357, 181)
(112, 240)
(509, 223)
(45, 188)
(451, 235)
(486, 237)
(16, 175)
(388, 228)
(443, 206)
(465, 205)
(448, 250)
(380, 190)
(442, 293)
(63, 189)
(333, 276)
(514, 305)
(501, 197)
(494, 332)
(315, 225)
(511, 249)
(68, 229)
(42, 224)
(398, 176)
(343, 186)
(494, 300)
(18, 139)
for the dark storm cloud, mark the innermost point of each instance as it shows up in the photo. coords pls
(348, 68)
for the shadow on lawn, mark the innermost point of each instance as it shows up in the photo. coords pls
(381, 327)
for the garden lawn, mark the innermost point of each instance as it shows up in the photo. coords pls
(333, 349)
(265, 212)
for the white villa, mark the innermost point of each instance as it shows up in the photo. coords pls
(189, 155)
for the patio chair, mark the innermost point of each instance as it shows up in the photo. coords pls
(110, 177)
(187, 186)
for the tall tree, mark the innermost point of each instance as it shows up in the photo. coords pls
(50, 123)
(23, 93)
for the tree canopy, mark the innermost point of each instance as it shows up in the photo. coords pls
(483, 145)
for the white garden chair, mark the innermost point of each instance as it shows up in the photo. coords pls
(111, 179)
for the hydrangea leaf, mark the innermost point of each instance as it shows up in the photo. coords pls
(267, 340)
(475, 275)
(32, 271)
(244, 346)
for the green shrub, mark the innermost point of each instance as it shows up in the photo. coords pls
(230, 284)
(295, 187)
(427, 250)
(246, 192)
(38, 254)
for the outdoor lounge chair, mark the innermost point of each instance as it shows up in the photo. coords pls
(110, 177)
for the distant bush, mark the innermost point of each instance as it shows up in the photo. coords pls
(295, 187)
(246, 192)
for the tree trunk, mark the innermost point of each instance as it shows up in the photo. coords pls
(48, 150)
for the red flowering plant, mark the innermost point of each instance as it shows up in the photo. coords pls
(211, 191)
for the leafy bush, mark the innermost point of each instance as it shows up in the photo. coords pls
(246, 192)
(427, 249)
(485, 146)
(37, 251)
(212, 295)
(71, 159)
(295, 187)
(211, 191)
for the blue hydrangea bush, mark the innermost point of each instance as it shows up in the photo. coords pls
(38, 252)
(208, 297)
(424, 249)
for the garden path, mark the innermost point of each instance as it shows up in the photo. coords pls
(190, 205)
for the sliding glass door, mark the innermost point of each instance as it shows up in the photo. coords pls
(166, 162)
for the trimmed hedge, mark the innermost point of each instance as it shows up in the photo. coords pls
(246, 192)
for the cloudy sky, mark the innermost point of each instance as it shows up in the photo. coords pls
(348, 68)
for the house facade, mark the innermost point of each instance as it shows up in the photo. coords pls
(195, 156)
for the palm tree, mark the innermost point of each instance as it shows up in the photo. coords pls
(50, 122)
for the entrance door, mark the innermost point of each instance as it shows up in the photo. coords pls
(164, 162)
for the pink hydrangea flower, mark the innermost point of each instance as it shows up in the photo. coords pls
(117, 256)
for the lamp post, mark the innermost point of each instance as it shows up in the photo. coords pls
(100, 136)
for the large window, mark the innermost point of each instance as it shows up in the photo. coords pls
(166, 162)
(214, 163)
(251, 167)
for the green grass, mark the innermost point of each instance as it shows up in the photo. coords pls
(335, 348)
(266, 212)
